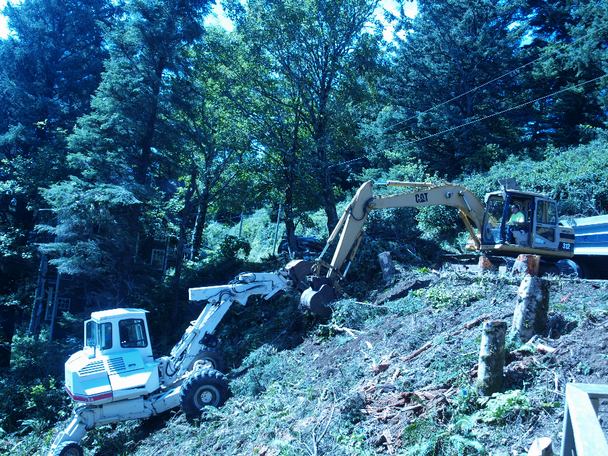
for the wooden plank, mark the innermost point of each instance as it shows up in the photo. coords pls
(593, 389)
(588, 435)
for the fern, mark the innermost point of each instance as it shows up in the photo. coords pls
(463, 444)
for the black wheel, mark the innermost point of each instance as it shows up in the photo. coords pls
(203, 388)
(571, 268)
(69, 449)
(209, 358)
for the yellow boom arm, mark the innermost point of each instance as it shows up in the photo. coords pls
(350, 225)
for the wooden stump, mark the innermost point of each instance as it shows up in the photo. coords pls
(530, 315)
(485, 265)
(526, 264)
(386, 263)
(490, 375)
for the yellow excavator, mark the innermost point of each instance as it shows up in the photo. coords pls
(510, 223)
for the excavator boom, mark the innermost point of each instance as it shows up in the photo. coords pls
(350, 226)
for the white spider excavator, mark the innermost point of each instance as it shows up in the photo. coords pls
(540, 232)
(115, 376)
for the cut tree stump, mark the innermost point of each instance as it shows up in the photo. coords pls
(530, 316)
(526, 264)
(485, 265)
(490, 375)
(386, 264)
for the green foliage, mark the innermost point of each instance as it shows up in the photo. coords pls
(576, 177)
(29, 391)
(186, 127)
(262, 367)
(233, 247)
(422, 438)
(419, 122)
(352, 314)
(505, 407)
(408, 305)
(444, 295)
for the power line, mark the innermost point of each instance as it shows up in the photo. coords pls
(506, 110)
(346, 162)
(497, 78)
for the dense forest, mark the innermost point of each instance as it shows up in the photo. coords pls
(144, 151)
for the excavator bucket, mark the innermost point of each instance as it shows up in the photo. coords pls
(317, 301)
(315, 298)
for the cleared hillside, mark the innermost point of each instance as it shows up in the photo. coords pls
(387, 375)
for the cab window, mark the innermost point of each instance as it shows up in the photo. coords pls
(546, 213)
(98, 335)
(132, 333)
(90, 334)
(493, 219)
(105, 335)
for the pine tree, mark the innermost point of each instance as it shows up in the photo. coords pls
(117, 150)
(445, 85)
(567, 55)
(50, 66)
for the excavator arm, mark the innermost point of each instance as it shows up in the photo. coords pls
(348, 231)
(220, 298)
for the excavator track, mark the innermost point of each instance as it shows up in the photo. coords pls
(504, 264)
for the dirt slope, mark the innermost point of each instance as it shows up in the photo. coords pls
(397, 377)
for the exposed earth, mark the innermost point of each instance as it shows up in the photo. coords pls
(392, 374)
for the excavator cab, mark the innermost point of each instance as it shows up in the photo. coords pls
(507, 219)
(517, 220)
(116, 361)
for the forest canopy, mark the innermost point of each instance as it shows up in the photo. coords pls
(135, 137)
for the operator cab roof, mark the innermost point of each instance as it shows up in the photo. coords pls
(111, 314)
(520, 193)
(510, 185)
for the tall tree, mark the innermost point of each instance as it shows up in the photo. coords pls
(214, 147)
(51, 65)
(119, 148)
(567, 52)
(445, 87)
(301, 54)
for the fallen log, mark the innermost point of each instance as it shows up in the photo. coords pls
(417, 352)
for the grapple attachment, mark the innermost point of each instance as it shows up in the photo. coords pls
(298, 270)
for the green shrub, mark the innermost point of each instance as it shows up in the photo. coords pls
(445, 296)
(576, 177)
(504, 407)
(29, 390)
(352, 314)
(232, 247)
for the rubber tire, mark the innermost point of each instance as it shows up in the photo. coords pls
(201, 389)
(215, 360)
(69, 449)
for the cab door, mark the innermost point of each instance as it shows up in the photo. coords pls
(545, 225)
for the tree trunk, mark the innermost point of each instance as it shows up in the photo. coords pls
(491, 357)
(38, 307)
(329, 202)
(289, 164)
(199, 227)
(179, 260)
(320, 134)
(530, 315)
